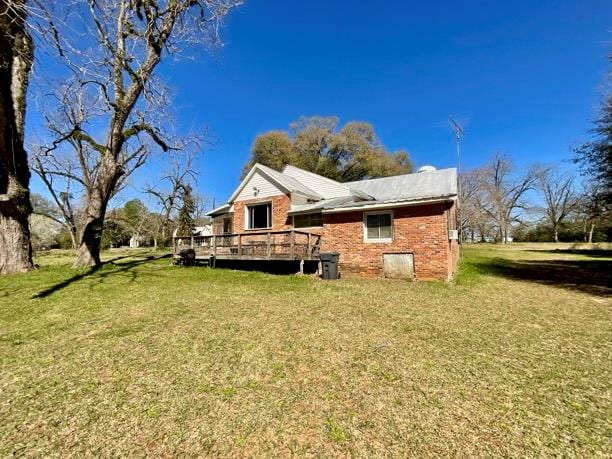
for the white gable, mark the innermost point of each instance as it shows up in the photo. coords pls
(258, 186)
(324, 186)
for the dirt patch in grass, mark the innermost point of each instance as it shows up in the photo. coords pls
(144, 358)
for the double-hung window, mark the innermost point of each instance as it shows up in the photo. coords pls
(259, 216)
(378, 226)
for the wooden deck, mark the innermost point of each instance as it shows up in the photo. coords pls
(253, 245)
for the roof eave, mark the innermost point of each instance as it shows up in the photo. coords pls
(219, 210)
(391, 204)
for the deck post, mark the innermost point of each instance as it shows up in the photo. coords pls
(269, 246)
(292, 244)
(192, 241)
(214, 241)
(240, 246)
(309, 249)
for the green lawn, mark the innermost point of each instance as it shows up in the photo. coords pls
(144, 358)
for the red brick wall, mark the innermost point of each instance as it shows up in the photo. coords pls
(421, 230)
(280, 206)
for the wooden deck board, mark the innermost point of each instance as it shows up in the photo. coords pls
(283, 257)
(287, 245)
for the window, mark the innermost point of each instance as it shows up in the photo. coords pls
(227, 225)
(378, 227)
(307, 220)
(259, 216)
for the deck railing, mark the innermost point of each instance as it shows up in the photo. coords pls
(254, 245)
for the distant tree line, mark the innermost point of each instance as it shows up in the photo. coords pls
(131, 224)
(173, 206)
(495, 202)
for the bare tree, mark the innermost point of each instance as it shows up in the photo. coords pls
(557, 189)
(167, 193)
(201, 207)
(473, 220)
(59, 175)
(114, 81)
(16, 52)
(61, 213)
(502, 193)
(592, 209)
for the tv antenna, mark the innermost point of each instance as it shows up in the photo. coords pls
(458, 136)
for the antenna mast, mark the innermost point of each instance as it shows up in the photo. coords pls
(458, 136)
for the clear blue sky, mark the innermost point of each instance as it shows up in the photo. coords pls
(525, 77)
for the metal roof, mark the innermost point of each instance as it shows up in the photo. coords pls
(321, 205)
(218, 210)
(382, 192)
(420, 185)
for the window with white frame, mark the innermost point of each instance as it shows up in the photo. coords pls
(259, 216)
(378, 226)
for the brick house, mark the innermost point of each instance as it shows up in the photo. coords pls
(401, 226)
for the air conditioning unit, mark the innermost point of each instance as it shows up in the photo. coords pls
(453, 234)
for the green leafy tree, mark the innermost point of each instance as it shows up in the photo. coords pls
(134, 213)
(274, 149)
(317, 144)
(115, 233)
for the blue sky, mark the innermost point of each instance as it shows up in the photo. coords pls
(525, 78)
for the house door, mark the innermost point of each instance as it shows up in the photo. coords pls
(398, 265)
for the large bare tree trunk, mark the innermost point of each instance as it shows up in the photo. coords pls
(88, 253)
(15, 206)
(15, 248)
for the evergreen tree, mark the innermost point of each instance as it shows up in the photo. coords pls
(595, 157)
(186, 222)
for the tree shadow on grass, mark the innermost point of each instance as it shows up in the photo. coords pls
(588, 276)
(591, 253)
(124, 267)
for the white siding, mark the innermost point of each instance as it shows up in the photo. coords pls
(327, 188)
(266, 189)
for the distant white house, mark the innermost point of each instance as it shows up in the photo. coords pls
(205, 230)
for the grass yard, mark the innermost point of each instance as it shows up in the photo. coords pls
(143, 358)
